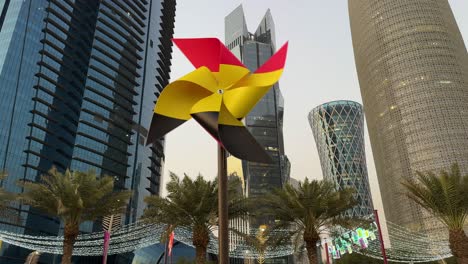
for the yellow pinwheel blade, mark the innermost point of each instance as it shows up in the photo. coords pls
(246, 94)
(178, 98)
(206, 112)
(210, 103)
(230, 74)
(261, 79)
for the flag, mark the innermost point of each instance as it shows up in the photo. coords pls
(170, 244)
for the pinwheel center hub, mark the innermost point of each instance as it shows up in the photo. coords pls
(220, 91)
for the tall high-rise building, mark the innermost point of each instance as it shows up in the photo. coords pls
(78, 81)
(265, 121)
(412, 66)
(338, 129)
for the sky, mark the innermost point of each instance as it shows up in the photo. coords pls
(319, 68)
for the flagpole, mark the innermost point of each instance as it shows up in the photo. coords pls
(166, 249)
(382, 246)
(223, 239)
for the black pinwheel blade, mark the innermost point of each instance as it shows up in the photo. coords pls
(160, 126)
(238, 141)
(209, 121)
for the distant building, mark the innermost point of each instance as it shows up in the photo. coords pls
(338, 129)
(265, 121)
(294, 182)
(78, 82)
(412, 66)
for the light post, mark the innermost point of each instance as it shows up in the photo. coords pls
(327, 254)
(319, 251)
(261, 240)
(33, 257)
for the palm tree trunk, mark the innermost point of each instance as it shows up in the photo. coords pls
(310, 240)
(200, 240)
(459, 245)
(261, 258)
(70, 233)
(200, 257)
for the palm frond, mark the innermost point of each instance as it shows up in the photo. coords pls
(6, 198)
(191, 202)
(311, 208)
(74, 197)
(443, 195)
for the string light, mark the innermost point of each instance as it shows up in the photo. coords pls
(406, 245)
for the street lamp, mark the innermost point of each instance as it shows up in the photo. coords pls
(33, 257)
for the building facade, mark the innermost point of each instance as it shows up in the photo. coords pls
(78, 81)
(412, 66)
(338, 129)
(265, 121)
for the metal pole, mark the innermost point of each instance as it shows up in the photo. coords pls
(223, 235)
(318, 251)
(382, 246)
(326, 252)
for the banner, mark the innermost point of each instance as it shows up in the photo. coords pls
(171, 243)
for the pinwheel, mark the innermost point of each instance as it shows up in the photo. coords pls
(218, 94)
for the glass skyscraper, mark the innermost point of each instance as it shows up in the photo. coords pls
(78, 81)
(265, 121)
(338, 129)
(412, 66)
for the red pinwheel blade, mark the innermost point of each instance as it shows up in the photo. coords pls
(208, 52)
(275, 62)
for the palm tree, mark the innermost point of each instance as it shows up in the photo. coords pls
(308, 211)
(446, 197)
(5, 199)
(74, 197)
(264, 239)
(194, 204)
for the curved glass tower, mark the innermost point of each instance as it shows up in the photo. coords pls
(412, 66)
(338, 129)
